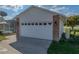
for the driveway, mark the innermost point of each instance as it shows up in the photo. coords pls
(24, 45)
(28, 45)
(5, 48)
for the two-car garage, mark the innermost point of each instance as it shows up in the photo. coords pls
(36, 22)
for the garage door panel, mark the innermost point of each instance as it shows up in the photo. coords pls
(37, 31)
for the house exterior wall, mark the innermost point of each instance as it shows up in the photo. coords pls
(61, 28)
(1, 27)
(35, 15)
(36, 31)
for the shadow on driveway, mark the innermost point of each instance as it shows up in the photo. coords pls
(28, 45)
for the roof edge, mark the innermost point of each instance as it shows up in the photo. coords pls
(39, 8)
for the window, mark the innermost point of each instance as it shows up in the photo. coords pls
(49, 23)
(45, 23)
(40, 23)
(28, 23)
(36, 23)
(32, 23)
(22, 23)
(25, 23)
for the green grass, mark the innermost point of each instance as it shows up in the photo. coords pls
(70, 46)
(64, 47)
(2, 37)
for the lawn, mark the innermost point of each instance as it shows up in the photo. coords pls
(2, 37)
(64, 47)
(70, 46)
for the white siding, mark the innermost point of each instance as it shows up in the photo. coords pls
(61, 28)
(36, 31)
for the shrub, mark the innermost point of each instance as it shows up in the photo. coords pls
(1, 33)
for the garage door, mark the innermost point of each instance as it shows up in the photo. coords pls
(42, 30)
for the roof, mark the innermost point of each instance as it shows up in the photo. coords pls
(40, 8)
(10, 21)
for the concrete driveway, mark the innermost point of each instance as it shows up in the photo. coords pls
(5, 47)
(24, 45)
(28, 45)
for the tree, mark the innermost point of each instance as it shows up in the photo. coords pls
(72, 20)
(77, 17)
(2, 13)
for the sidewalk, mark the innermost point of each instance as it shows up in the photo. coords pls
(5, 48)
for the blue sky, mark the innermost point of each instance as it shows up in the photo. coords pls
(13, 10)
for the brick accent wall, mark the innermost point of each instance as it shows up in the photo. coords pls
(56, 27)
(17, 28)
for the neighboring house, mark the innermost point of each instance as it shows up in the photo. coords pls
(7, 26)
(37, 22)
(2, 24)
(11, 25)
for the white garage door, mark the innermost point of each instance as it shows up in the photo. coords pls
(37, 30)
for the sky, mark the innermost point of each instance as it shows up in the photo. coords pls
(13, 10)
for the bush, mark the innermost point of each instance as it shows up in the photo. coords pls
(63, 36)
(1, 33)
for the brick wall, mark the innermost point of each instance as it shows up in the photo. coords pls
(56, 27)
(17, 28)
